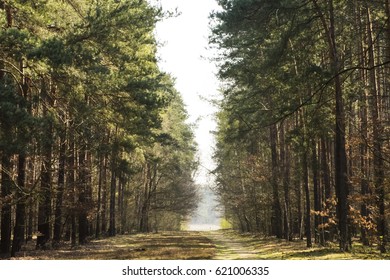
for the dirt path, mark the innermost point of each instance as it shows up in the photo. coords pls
(230, 249)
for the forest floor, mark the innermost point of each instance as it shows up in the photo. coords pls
(192, 245)
(154, 246)
(232, 245)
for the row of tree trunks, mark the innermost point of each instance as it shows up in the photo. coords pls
(376, 135)
(341, 172)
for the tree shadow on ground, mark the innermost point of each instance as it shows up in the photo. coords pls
(271, 248)
(160, 246)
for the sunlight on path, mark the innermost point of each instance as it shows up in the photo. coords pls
(230, 249)
(203, 227)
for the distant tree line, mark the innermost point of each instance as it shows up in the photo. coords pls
(303, 140)
(93, 136)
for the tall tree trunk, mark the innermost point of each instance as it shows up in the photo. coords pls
(363, 116)
(327, 188)
(82, 192)
(285, 158)
(341, 179)
(44, 209)
(6, 165)
(20, 218)
(30, 201)
(276, 219)
(6, 183)
(112, 227)
(60, 189)
(99, 196)
(104, 194)
(144, 201)
(305, 179)
(300, 214)
(70, 182)
(364, 184)
(316, 192)
(307, 201)
(20, 214)
(298, 188)
(121, 199)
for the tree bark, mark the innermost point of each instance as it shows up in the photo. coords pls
(285, 158)
(341, 179)
(70, 182)
(307, 201)
(112, 227)
(327, 188)
(82, 192)
(6, 183)
(20, 213)
(363, 117)
(104, 194)
(276, 219)
(316, 192)
(60, 189)
(44, 209)
(20, 207)
(6, 165)
(99, 196)
(144, 201)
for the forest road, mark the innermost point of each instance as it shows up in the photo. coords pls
(230, 249)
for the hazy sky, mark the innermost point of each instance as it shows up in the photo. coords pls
(185, 54)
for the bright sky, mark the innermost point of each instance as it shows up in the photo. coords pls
(185, 55)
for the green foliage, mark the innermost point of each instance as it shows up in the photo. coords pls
(16, 43)
(55, 51)
(15, 121)
(225, 224)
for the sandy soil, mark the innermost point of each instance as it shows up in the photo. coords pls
(230, 249)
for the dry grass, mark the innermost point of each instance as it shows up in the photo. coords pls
(161, 246)
(275, 249)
